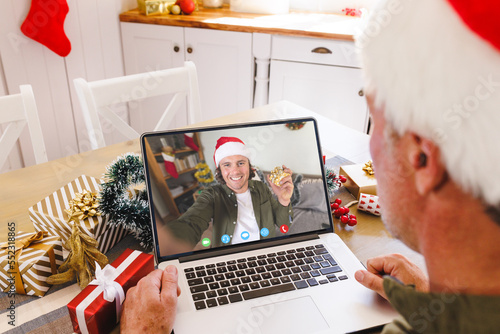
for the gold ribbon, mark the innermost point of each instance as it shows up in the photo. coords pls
(83, 205)
(25, 243)
(81, 260)
(368, 168)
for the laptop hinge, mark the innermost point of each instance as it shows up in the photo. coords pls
(245, 248)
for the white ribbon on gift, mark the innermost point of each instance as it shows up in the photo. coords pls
(105, 281)
(111, 289)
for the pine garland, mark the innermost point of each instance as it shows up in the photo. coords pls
(124, 205)
(333, 181)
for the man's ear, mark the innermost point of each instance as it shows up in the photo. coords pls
(425, 158)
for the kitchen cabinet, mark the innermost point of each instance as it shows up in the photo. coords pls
(321, 75)
(223, 60)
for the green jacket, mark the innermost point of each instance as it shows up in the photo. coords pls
(440, 312)
(219, 203)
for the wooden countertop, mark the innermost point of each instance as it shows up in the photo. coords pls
(302, 24)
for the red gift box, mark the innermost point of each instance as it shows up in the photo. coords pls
(90, 312)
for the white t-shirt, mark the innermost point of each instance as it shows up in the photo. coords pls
(246, 228)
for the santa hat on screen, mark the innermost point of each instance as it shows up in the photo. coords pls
(434, 67)
(227, 146)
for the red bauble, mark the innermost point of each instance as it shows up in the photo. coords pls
(187, 6)
(338, 201)
(334, 206)
(344, 219)
(352, 222)
(337, 213)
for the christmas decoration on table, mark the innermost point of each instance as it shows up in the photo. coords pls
(81, 261)
(295, 125)
(333, 181)
(124, 199)
(369, 203)
(277, 174)
(84, 205)
(27, 260)
(55, 213)
(342, 212)
(368, 168)
(169, 159)
(358, 181)
(45, 25)
(204, 174)
(97, 308)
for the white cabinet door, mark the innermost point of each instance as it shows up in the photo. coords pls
(148, 47)
(224, 63)
(331, 91)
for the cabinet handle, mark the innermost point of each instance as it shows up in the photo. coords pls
(321, 50)
(190, 50)
(361, 92)
(176, 48)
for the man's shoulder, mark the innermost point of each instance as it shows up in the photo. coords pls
(438, 312)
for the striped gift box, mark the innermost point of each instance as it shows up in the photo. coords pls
(34, 265)
(48, 215)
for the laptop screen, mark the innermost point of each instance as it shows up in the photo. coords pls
(228, 186)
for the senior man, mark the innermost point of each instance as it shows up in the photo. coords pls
(432, 70)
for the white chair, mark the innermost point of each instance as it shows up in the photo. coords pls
(20, 110)
(96, 98)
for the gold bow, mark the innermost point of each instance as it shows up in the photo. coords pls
(84, 205)
(368, 168)
(31, 241)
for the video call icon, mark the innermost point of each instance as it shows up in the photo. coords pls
(283, 228)
(205, 242)
(225, 239)
(245, 235)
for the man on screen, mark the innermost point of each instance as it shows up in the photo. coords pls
(240, 208)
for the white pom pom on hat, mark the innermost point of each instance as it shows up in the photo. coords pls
(433, 66)
(228, 146)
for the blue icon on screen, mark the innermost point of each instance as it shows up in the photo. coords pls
(264, 232)
(245, 235)
(225, 238)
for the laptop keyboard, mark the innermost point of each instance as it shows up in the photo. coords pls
(258, 276)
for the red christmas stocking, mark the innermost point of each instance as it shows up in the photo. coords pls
(169, 165)
(45, 24)
(189, 142)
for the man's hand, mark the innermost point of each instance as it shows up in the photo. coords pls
(395, 265)
(285, 190)
(151, 305)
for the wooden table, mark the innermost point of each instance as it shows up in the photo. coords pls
(25, 187)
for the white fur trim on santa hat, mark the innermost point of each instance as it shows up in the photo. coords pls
(437, 78)
(229, 149)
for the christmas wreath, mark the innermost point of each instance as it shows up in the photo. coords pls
(124, 199)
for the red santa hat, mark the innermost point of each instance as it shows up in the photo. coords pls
(227, 146)
(433, 66)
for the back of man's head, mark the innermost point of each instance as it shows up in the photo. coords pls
(434, 67)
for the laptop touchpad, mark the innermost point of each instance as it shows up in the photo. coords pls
(294, 316)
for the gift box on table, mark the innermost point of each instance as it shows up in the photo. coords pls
(27, 260)
(90, 312)
(49, 215)
(358, 181)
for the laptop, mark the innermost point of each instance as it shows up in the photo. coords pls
(292, 274)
